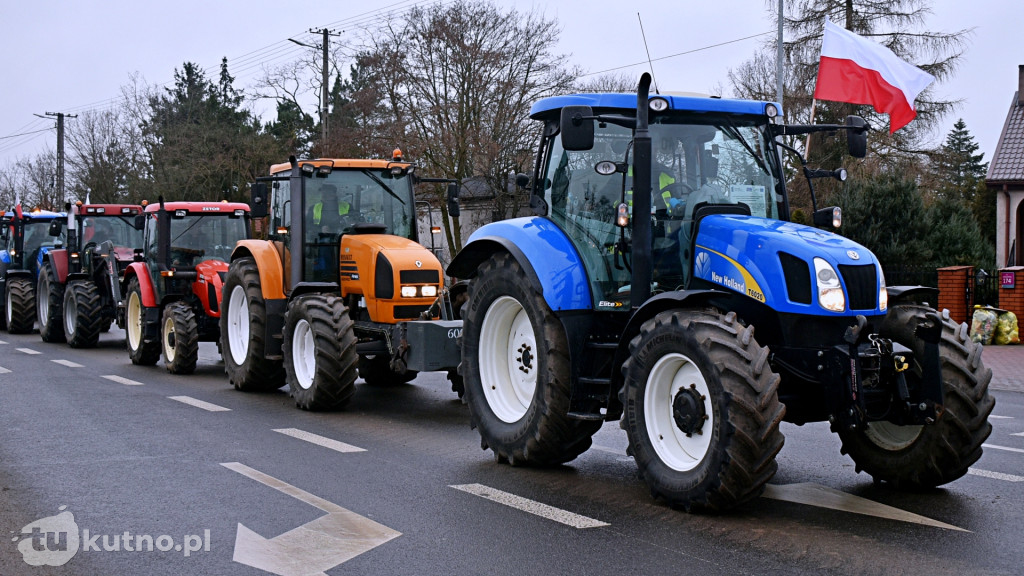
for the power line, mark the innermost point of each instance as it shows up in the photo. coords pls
(701, 49)
(25, 133)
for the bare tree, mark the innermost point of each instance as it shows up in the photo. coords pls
(40, 183)
(458, 80)
(621, 82)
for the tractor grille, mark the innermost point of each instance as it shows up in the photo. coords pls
(798, 278)
(861, 285)
(419, 276)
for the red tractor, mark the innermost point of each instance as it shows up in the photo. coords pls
(173, 289)
(77, 291)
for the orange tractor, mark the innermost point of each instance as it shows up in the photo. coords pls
(336, 290)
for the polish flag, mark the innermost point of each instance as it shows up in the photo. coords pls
(856, 70)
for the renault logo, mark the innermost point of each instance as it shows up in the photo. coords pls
(853, 255)
(419, 264)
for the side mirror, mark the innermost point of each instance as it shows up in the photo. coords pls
(140, 221)
(577, 127)
(522, 181)
(56, 225)
(453, 200)
(258, 200)
(138, 255)
(857, 136)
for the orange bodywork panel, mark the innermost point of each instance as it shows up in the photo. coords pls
(271, 264)
(378, 266)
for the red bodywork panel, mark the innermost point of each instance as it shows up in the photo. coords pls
(139, 270)
(59, 261)
(209, 275)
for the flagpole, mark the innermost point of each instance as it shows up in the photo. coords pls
(807, 143)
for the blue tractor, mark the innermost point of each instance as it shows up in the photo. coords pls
(661, 283)
(25, 240)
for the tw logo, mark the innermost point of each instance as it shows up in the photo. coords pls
(50, 541)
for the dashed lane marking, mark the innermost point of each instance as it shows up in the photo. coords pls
(531, 506)
(121, 380)
(319, 440)
(28, 351)
(824, 497)
(4, 370)
(200, 404)
(1000, 417)
(68, 363)
(1007, 448)
(1018, 434)
(995, 475)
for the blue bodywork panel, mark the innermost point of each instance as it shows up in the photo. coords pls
(741, 254)
(627, 102)
(556, 264)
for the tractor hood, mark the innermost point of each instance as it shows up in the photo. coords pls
(774, 262)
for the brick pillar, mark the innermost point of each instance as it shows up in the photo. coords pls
(956, 291)
(1012, 299)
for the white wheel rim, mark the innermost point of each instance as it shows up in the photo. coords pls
(892, 437)
(134, 321)
(70, 312)
(43, 301)
(7, 309)
(508, 359)
(238, 326)
(670, 374)
(169, 349)
(303, 354)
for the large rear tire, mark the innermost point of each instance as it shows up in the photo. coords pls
(702, 411)
(179, 338)
(243, 322)
(21, 305)
(920, 457)
(320, 352)
(49, 304)
(141, 352)
(82, 314)
(376, 371)
(515, 365)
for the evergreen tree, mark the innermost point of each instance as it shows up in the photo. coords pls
(958, 167)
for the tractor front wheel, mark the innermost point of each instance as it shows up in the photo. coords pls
(141, 352)
(82, 314)
(21, 305)
(49, 301)
(515, 366)
(702, 411)
(920, 457)
(179, 338)
(320, 352)
(243, 322)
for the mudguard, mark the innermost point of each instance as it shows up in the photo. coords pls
(268, 261)
(59, 262)
(542, 249)
(209, 284)
(139, 270)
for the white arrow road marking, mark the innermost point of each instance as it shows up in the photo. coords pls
(28, 351)
(200, 404)
(1007, 448)
(319, 440)
(2, 342)
(824, 497)
(314, 547)
(4, 370)
(996, 475)
(67, 363)
(531, 506)
(121, 380)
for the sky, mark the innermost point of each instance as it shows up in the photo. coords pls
(76, 55)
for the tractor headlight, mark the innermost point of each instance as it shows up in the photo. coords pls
(408, 291)
(429, 291)
(830, 291)
(883, 294)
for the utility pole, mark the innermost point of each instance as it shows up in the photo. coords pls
(60, 116)
(779, 61)
(324, 90)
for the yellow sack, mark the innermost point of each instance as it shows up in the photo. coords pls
(983, 326)
(1006, 329)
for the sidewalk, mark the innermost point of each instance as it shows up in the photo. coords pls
(1007, 365)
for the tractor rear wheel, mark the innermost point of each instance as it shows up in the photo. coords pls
(917, 457)
(376, 371)
(21, 305)
(320, 352)
(82, 314)
(179, 338)
(141, 352)
(515, 365)
(702, 411)
(243, 322)
(49, 302)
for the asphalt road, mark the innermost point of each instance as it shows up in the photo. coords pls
(399, 485)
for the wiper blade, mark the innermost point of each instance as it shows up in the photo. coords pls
(377, 179)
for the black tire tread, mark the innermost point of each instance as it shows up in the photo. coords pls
(148, 353)
(87, 314)
(256, 373)
(186, 338)
(334, 341)
(51, 329)
(23, 305)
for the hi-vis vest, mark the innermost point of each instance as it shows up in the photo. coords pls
(319, 206)
(664, 180)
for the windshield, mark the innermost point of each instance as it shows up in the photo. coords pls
(697, 160)
(198, 237)
(37, 235)
(120, 230)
